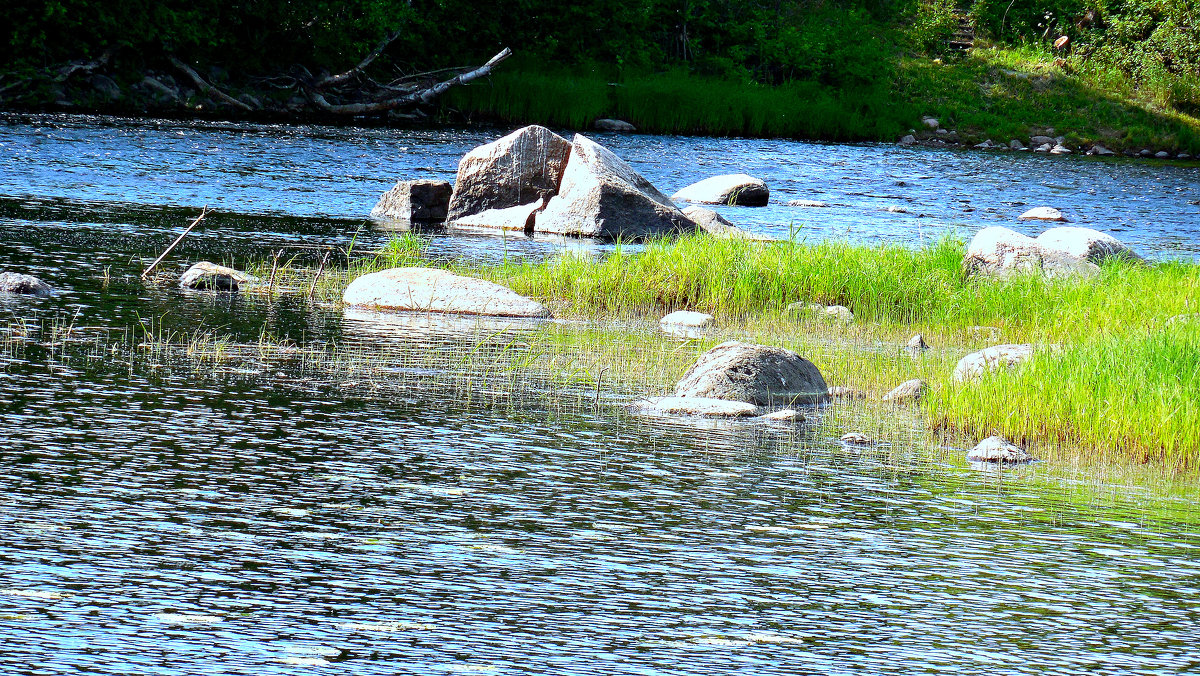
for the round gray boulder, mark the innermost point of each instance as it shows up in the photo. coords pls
(17, 283)
(756, 374)
(739, 189)
(205, 276)
(994, 358)
(997, 449)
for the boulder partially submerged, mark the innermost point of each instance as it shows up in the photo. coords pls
(206, 276)
(755, 374)
(610, 124)
(906, 392)
(523, 167)
(28, 285)
(687, 323)
(415, 201)
(999, 450)
(990, 359)
(513, 219)
(715, 224)
(432, 290)
(1042, 214)
(739, 189)
(602, 196)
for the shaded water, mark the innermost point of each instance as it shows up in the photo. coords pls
(166, 515)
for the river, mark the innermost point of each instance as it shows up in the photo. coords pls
(165, 514)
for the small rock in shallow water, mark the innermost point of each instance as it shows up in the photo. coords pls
(857, 439)
(906, 392)
(1016, 145)
(997, 449)
(686, 323)
(205, 276)
(916, 345)
(842, 392)
(807, 203)
(15, 282)
(907, 140)
(758, 374)
(1162, 154)
(1042, 214)
(609, 124)
(1060, 149)
(994, 358)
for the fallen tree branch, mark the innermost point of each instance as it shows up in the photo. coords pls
(85, 67)
(207, 88)
(419, 97)
(203, 213)
(342, 77)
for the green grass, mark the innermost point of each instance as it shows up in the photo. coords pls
(1122, 385)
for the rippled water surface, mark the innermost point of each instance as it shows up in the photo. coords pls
(166, 512)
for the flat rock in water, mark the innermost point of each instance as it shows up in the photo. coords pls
(857, 439)
(422, 200)
(609, 124)
(801, 310)
(512, 219)
(907, 391)
(701, 406)
(994, 358)
(733, 189)
(812, 204)
(520, 168)
(205, 276)
(602, 196)
(17, 283)
(997, 251)
(431, 290)
(785, 415)
(997, 449)
(756, 374)
(1042, 214)
(1090, 245)
(687, 319)
(715, 224)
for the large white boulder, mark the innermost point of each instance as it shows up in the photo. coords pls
(987, 360)
(756, 374)
(431, 290)
(1090, 245)
(999, 252)
(1043, 214)
(520, 168)
(602, 196)
(740, 189)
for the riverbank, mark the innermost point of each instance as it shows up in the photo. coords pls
(1115, 376)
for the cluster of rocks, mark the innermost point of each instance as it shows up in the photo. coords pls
(1063, 251)
(535, 181)
(935, 135)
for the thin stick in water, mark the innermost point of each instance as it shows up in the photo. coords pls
(320, 269)
(203, 213)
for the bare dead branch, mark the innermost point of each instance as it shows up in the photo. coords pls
(329, 80)
(203, 213)
(205, 87)
(419, 97)
(83, 67)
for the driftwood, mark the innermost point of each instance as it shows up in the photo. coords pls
(203, 213)
(422, 96)
(332, 80)
(207, 88)
(83, 67)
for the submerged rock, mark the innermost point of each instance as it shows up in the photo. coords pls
(609, 124)
(990, 359)
(520, 168)
(906, 392)
(421, 200)
(430, 290)
(997, 449)
(756, 374)
(602, 196)
(205, 276)
(812, 204)
(785, 415)
(801, 310)
(916, 345)
(701, 406)
(17, 283)
(739, 189)
(846, 393)
(857, 439)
